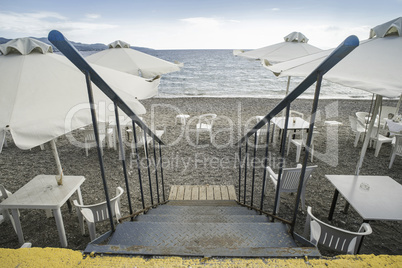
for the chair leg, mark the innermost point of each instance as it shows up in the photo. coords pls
(80, 221)
(197, 134)
(92, 231)
(312, 152)
(279, 202)
(357, 138)
(298, 154)
(377, 148)
(392, 160)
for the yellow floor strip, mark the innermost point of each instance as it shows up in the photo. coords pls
(57, 257)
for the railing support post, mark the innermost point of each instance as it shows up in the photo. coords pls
(308, 147)
(245, 172)
(98, 146)
(156, 173)
(253, 178)
(123, 158)
(161, 165)
(283, 144)
(264, 178)
(149, 170)
(239, 169)
(138, 164)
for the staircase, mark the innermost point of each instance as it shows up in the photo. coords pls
(201, 228)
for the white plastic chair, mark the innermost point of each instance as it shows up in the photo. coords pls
(293, 113)
(363, 117)
(301, 143)
(357, 128)
(205, 124)
(332, 237)
(379, 140)
(290, 181)
(4, 214)
(97, 213)
(89, 137)
(397, 148)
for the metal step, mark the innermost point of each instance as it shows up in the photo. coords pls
(200, 239)
(201, 210)
(202, 218)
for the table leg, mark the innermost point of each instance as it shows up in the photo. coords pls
(80, 196)
(60, 227)
(18, 227)
(361, 240)
(331, 211)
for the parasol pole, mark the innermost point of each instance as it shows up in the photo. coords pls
(377, 104)
(56, 156)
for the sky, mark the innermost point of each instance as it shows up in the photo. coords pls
(199, 24)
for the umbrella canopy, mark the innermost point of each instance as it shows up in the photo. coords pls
(295, 45)
(374, 66)
(40, 90)
(121, 57)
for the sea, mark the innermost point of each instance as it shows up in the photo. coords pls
(218, 73)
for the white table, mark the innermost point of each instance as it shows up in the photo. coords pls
(373, 197)
(42, 192)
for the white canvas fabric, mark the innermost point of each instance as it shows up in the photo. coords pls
(295, 45)
(131, 61)
(24, 46)
(44, 96)
(393, 27)
(296, 37)
(119, 44)
(374, 66)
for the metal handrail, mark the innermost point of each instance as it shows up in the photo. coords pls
(57, 39)
(316, 75)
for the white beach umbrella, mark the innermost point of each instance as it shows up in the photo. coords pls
(40, 90)
(121, 57)
(374, 66)
(295, 45)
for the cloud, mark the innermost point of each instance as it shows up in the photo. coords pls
(275, 9)
(39, 24)
(92, 16)
(202, 21)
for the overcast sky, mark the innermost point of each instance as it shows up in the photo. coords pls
(198, 24)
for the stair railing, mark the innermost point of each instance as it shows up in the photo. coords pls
(337, 55)
(57, 39)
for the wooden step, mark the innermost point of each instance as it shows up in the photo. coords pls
(202, 192)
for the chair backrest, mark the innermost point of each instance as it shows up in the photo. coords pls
(353, 122)
(293, 113)
(207, 119)
(291, 177)
(332, 237)
(3, 193)
(361, 116)
(99, 211)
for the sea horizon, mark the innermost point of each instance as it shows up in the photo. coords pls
(217, 73)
